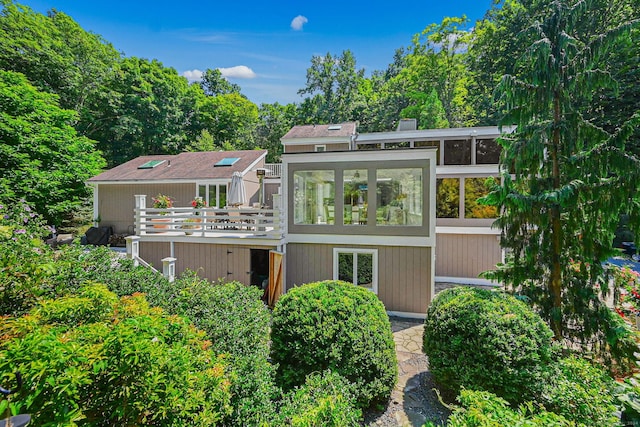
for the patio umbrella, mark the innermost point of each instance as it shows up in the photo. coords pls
(237, 194)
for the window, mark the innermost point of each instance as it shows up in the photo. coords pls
(487, 152)
(357, 266)
(314, 197)
(214, 194)
(320, 148)
(227, 161)
(457, 152)
(151, 164)
(447, 198)
(474, 188)
(399, 196)
(356, 196)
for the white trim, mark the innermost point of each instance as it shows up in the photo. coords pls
(407, 314)
(466, 281)
(472, 171)
(356, 251)
(360, 156)
(370, 240)
(467, 230)
(96, 205)
(252, 165)
(427, 134)
(323, 146)
(146, 181)
(345, 139)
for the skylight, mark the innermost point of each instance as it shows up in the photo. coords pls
(334, 127)
(227, 161)
(151, 164)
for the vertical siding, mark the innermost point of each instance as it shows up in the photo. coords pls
(466, 255)
(404, 276)
(210, 261)
(116, 202)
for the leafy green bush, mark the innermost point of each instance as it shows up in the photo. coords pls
(324, 400)
(581, 392)
(335, 325)
(237, 322)
(627, 394)
(484, 409)
(486, 340)
(121, 364)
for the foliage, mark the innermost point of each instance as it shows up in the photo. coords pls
(162, 201)
(199, 202)
(42, 159)
(325, 400)
(335, 325)
(627, 394)
(484, 409)
(580, 392)
(555, 216)
(93, 359)
(25, 261)
(213, 84)
(626, 281)
(486, 340)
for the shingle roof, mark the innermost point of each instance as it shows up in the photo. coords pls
(319, 131)
(183, 166)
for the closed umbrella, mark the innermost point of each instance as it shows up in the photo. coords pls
(237, 194)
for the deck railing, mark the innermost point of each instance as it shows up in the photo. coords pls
(207, 222)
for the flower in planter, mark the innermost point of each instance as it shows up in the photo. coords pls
(162, 201)
(198, 203)
(189, 224)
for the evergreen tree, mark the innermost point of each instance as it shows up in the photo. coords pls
(565, 181)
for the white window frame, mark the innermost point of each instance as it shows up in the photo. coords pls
(320, 148)
(355, 252)
(217, 184)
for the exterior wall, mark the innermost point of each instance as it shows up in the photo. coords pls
(466, 255)
(312, 147)
(404, 273)
(116, 202)
(211, 261)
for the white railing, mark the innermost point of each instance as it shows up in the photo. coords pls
(274, 170)
(207, 222)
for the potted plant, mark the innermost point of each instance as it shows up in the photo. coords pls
(162, 201)
(198, 203)
(188, 226)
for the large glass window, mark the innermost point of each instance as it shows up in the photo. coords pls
(487, 152)
(474, 188)
(314, 197)
(447, 198)
(214, 194)
(355, 189)
(457, 152)
(399, 196)
(424, 144)
(357, 266)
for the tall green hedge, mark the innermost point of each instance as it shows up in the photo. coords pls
(484, 340)
(338, 326)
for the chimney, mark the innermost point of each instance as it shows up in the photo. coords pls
(407, 124)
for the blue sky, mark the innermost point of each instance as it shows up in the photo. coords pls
(265, 47)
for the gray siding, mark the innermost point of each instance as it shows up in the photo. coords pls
(466, 255)
(404, 273)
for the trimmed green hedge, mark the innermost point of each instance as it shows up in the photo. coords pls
(338, 326)
(484, 340)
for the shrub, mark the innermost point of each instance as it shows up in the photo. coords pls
(581, 392)
(481, 408)
(324, 400)
(486, 340)
(338, 326)
(123, 364)
(237, 322)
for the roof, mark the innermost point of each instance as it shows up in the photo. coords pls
(435, 134)
(338, 131)
(184, 166)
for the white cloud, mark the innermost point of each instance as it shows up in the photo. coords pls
(298, 22)
(238, 72)
(193, 75)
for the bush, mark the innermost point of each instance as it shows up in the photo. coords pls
(581, 392)
(486, 340)
(481, 408)
(338, 326)
(237, 322)
(324, 400)
(119, 363)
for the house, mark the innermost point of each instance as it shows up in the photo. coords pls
(393, 212)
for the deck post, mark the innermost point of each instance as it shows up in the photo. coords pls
(133, 248)
(169, 268)
(140, 213)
